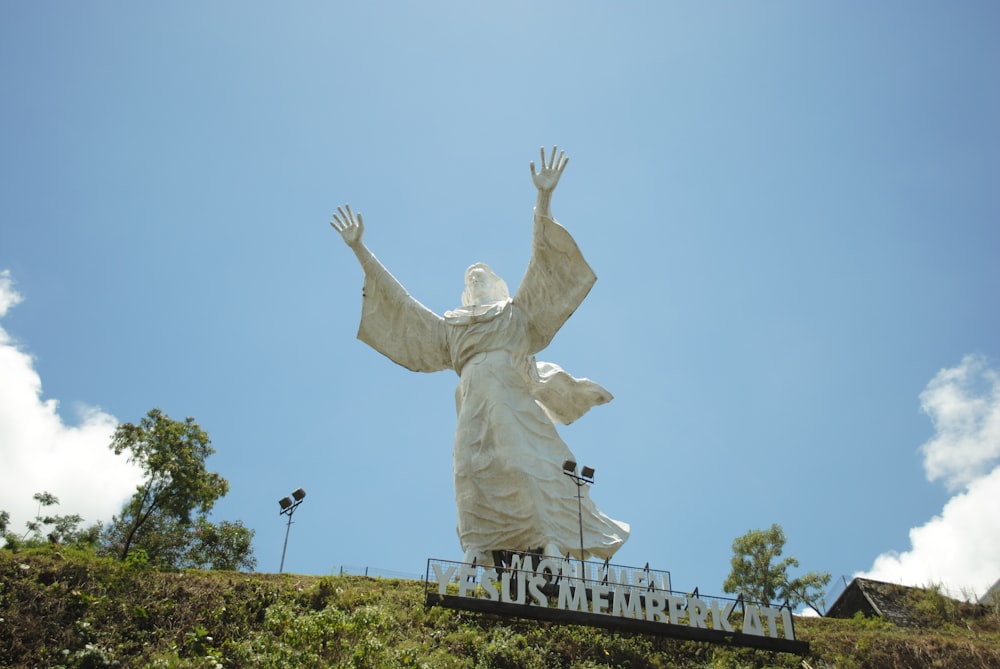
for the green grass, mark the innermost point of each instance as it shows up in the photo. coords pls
(68, 608)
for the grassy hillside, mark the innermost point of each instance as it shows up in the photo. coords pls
(68, 609)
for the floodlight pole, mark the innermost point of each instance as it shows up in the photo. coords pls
(287, 509)
(569, 469)
(579, 508)
(288, 528)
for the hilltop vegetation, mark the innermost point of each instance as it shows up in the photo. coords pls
(165, 522)
(60, 607)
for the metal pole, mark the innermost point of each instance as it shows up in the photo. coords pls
(288, 508)
(579, 507)
(288, 528)
(586, 476)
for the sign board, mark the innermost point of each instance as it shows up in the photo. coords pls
(608, 596)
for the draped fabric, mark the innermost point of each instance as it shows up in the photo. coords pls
(510, 488)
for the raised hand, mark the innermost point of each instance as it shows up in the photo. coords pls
(547, 178)
(350, 225)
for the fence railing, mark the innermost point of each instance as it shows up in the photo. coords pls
(377, 572)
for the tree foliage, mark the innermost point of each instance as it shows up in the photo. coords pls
(758, 577)
(48, 528)
(165, 520)
(199, 544)
(222, 546)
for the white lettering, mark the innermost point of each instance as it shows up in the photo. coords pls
(545, 573)
(599, 597)
(535, 584)
(505, 589)
(467, 575)
(550, 565)
(626, 604)
(570, 598)
(772, 620)
(490, 588)
(654, 606)
(443, 577)
(786, 623)
(676, 607)
(720, 617)
(751, 620)
(617, 576)
(636, 594)
(697, 612)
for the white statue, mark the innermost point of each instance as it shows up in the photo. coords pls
(510, 488)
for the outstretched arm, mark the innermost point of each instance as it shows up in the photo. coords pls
(392, 322)
(558, 277)
(352, 229)
(547, 178)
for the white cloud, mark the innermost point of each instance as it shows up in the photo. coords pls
(39, 452)
(960, 547)
(8, 296)
(964, 404)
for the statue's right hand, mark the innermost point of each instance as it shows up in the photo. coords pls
(547, 178)
(350, 225)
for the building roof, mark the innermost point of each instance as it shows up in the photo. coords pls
(992, 595)
(890, 601)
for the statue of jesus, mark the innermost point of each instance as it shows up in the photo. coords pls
(510, 488)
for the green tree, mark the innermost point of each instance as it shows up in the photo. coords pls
(166, 517)
(199, 544)
(49, 529)
(756, 575)
(223, 546)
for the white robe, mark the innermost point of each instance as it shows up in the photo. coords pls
(510, 488)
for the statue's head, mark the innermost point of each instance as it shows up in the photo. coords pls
(483, 286)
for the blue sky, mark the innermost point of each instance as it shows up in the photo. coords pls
(792, 209)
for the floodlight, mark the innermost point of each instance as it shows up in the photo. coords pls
(287, 509)
(585, 476)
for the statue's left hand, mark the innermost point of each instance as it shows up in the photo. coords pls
(547, 178)
(350, 225)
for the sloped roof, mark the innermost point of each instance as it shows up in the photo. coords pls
(875, 598)
(992, 595)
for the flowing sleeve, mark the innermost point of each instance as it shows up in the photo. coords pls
(398, 326)
(555, 283)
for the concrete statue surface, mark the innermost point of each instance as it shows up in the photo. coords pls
(509, 483)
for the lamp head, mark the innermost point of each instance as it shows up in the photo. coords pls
(285, 502)
(299, 494)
